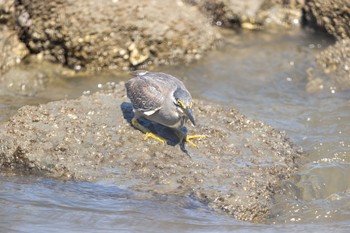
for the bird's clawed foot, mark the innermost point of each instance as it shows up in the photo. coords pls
(147, 132)
(189, 137)
(152, 135)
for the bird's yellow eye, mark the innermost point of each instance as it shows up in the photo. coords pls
(182, 105)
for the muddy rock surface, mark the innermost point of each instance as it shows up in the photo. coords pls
(251, 14)
(12, 49)
(237, 170)
(330, 15)
(335, 61)
(113, 34)
(7, 12)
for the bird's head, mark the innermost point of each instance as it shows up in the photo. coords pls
(183, 103)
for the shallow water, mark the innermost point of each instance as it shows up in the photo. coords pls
(264, 76)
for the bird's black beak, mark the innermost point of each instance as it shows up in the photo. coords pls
(188, 112)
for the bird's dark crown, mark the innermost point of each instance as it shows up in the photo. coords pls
(183, 96)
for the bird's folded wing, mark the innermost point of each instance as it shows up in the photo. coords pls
(145, 95)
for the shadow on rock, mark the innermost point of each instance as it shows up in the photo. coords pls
(127, 111)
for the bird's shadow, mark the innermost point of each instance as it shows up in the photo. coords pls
(155, 128)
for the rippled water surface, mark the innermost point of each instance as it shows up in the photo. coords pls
(264, 76)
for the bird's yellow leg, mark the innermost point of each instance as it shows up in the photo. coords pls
(147, 132)
(182, 136)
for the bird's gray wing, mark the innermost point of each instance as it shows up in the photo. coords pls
(145, 94)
